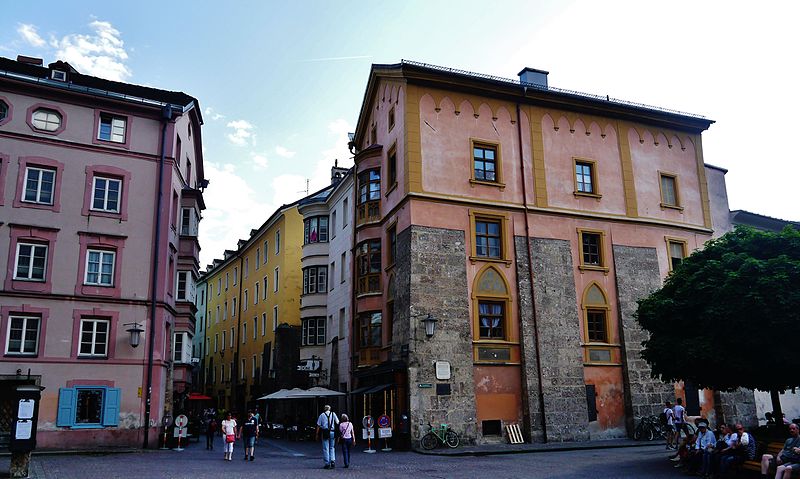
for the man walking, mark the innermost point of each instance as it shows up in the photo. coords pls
(679, 419)
(327, 422)
(668, 421)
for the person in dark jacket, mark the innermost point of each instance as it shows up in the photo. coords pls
(250, 434)
(211, 431)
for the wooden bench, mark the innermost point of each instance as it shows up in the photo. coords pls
(773, 448)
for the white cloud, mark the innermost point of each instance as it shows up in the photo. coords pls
(101, 54)
(211, 113)
(242, 132)
(260, 161)
(284, 152)
(29, 34)
(234, 208)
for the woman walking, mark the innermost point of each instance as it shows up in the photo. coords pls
(229, 435)
(348, 438)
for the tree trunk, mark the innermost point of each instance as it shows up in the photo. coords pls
(777, 412)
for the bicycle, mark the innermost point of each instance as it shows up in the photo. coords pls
(441, 434)
(649, 428)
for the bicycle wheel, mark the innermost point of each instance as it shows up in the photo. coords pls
(451, 439)
(429, 441)
(650, 434)
(637, 433)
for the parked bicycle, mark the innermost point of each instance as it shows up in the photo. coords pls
(440, 434)
(649, 428)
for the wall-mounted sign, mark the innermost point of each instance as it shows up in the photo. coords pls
(23, 430)
(384, 432)
(25, 409)
(312, 364)
(425, 385)
(442, 370)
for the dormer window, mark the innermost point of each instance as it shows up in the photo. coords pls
(58, 75)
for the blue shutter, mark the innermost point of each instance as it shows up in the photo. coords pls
(66, 407)
(111, 407)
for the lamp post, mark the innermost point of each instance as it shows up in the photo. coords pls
(430, 325)
(135, 332)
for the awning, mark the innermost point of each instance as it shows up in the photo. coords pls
(298, 393)
(198, 397)
(317, 392)
(371, 389)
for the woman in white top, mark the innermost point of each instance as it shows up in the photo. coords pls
(229, 435)
(348, 438)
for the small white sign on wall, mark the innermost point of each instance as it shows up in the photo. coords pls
(442, 370)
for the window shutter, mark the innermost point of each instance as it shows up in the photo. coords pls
(111, 407)
(66, 407)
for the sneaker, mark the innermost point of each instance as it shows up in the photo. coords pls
(677, 465)
(333, 465)
(326, 466)
(252, 458)
(675, 459)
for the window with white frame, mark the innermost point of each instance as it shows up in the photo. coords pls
(183, 285)
(256, 285)
(181, 351)
(315, 279)
(258, 257)
(99, 267)
(222, 344)
(277, 242)
(274, 318)
(23, 335)
(233, 308)
(46, 120)
(266, 251)
(246, 267)
(31, 262)
(246, 301)
(275, 281)
(254, 366)
(39, 185)
(315, 230)
(255, 328)
(313, 332)
(263, 324)
(189, 222)
(216, 342)
(266, 287)
(106, 194)
(243, 373)
(235, 274)
(94, 338)
(111, 128)
(233, 337)
(244, 332)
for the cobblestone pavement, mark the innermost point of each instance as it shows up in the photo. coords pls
(298, 460)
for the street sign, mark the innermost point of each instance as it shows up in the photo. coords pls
(425, 385)
(384, 432)
(368, 422)
(368, 433)
(384, 421)
(181, 421)
(180, 432)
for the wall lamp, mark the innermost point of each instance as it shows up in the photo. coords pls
(135, 331)
(430, 325)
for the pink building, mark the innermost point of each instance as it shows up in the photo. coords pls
(100, 200)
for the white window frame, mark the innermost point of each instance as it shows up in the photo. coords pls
(99, 273)
(117, 127)
(43, 119)
(246, 300)
(25, 327)
(233, 337)
(235, 274)
(254, 366)
(255, 328)
(30, 277)
(266, 251)
(189, 226)
(244, 332)
(277, 242)
(276, 279)
(263, 324)
(256, 292)
(94, 345)
(106, 190)
(266, 287)
(39, 171)
(274, 318)
(182, 295)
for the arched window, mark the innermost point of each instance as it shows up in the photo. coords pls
(492, 305)
(595, 315)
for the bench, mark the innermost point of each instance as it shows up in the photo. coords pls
(773, 448)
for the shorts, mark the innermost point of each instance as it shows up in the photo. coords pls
(669, 427)
(250, 441)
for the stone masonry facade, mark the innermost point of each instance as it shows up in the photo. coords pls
(637, 275)
(436, 282)
(554, 300)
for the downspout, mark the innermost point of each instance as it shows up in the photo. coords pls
(536, 344)
(238, 339)
(166, 116)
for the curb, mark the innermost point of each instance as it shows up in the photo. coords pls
(533, 450)
(81, 452)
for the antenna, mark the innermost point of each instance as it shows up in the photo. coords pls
(306, 190)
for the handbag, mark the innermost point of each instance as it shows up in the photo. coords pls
(230, 438)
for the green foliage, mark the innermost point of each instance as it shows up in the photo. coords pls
(729, 315)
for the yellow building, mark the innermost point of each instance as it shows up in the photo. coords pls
(251, 291)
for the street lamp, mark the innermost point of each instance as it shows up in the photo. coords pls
(135, 332)
(430, 325)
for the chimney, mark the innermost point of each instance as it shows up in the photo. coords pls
(532, 76)
(30, 60)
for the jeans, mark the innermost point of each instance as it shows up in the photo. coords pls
(346, 445)
(210, 440)
(707, 461)
(328, 448)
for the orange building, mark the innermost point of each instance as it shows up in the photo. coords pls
(527, 220)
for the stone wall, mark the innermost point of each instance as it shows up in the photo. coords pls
(637, 275)
(738, 406)
(437, 284)
(564, 391)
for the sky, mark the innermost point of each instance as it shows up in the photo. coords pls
(281, 83)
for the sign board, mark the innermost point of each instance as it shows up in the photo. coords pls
(384, 432)
(425, 385)
(384, 421)
(442, 370)
(312, 364)
(23, 430)
(180, 432)
(25, 409)
(181, 421)
(368, 433)
(368, 422)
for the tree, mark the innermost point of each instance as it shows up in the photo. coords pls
(729, 315)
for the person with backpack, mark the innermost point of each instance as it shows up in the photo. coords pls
(327, 422)
(249, 433)
(667, 420)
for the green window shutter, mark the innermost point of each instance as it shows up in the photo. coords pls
(111, 407)
(66, 407)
